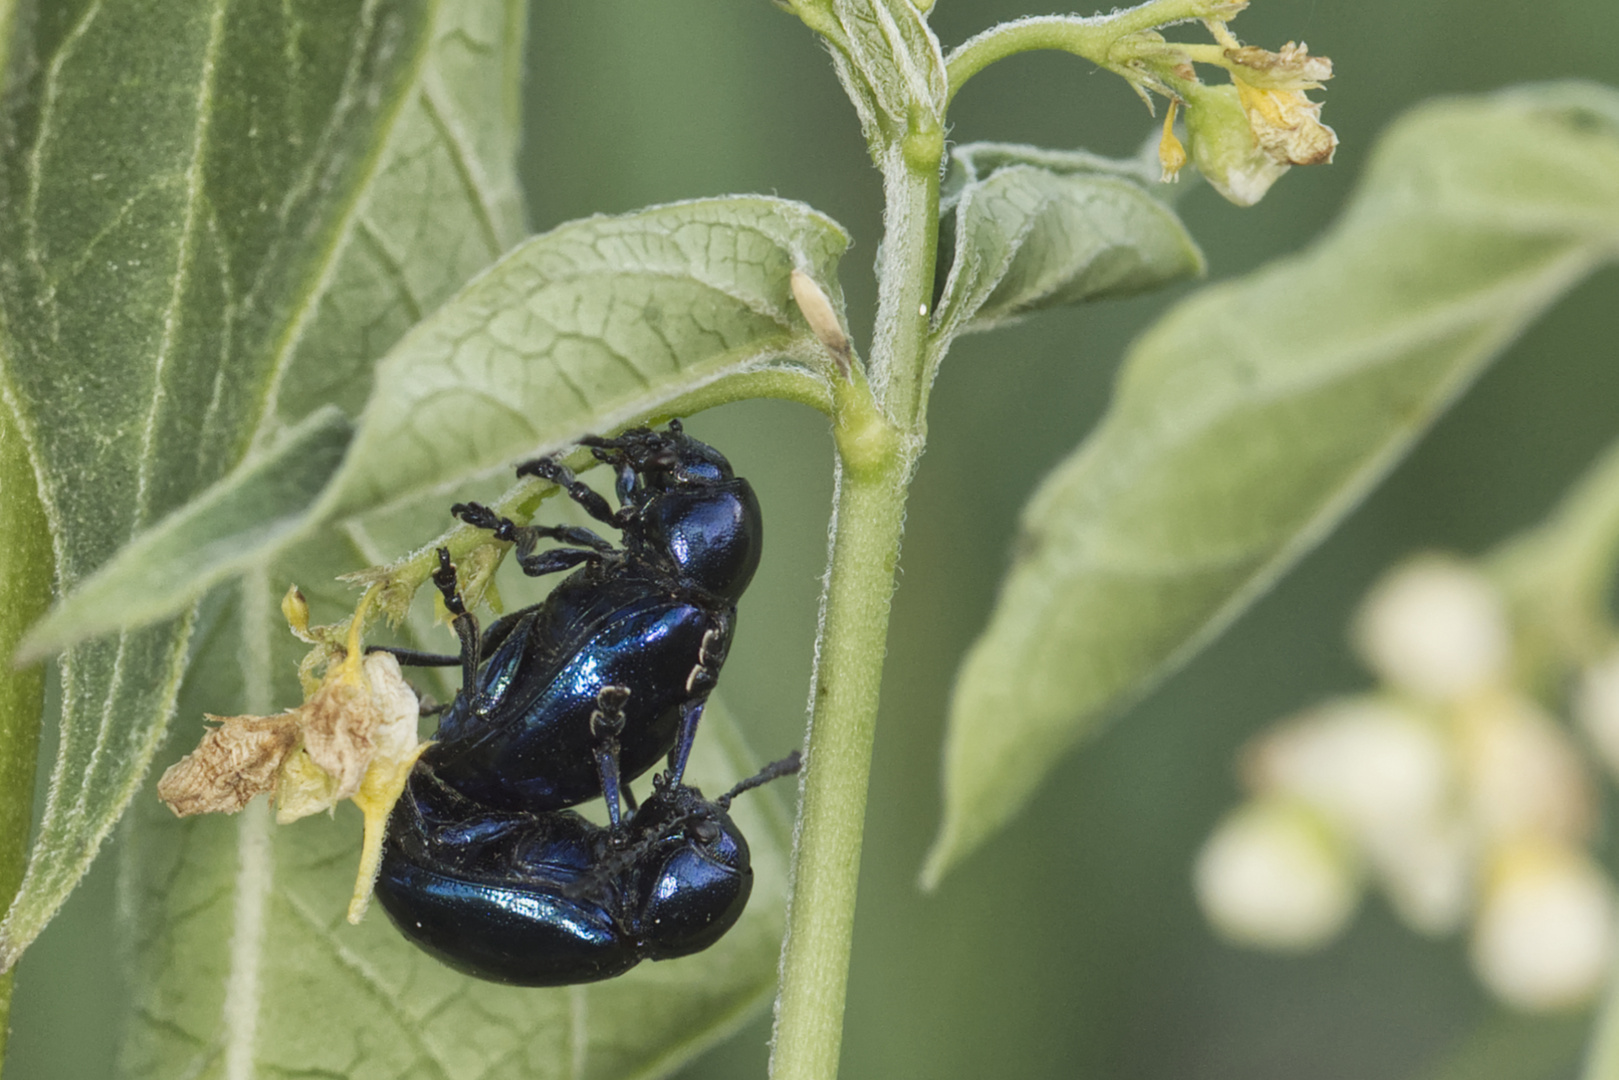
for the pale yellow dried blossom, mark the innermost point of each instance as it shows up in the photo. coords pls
(354, 738)
(340, 726)
(1245, 136)
(1293, 68)
(1287, 125)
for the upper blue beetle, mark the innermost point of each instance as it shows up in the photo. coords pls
(566, 700)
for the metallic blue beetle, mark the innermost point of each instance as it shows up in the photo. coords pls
(550, 899)
(569, 699)
(590, 687)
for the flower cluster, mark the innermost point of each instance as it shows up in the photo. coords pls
(1245, 134)
(1449, 788)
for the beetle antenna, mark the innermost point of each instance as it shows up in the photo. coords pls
(774, 771)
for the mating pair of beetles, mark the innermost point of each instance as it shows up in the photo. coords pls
(484, 866)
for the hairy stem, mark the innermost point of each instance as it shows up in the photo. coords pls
(25, 593)
(879, 435)
(1092, 38)
(820, 927)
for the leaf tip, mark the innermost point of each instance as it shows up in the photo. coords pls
(42, 641)
(942, 856)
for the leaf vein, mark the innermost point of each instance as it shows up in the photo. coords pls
(393, 266)
(465, 160)
(303, 306)
(49, 93)
(184, 255)
(371, 981)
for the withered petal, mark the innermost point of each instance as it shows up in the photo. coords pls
(234, 762)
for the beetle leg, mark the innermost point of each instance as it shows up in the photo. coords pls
(627, 486)
(465, 623)
(711, 654)
(553, 470)
(637, 449)
(555, 560)
(690, 713)
(605, 725)
(526, 537)
(495, 634)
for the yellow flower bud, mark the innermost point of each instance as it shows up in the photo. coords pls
(1171, 154)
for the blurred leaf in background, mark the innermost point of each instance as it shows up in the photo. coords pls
(1250, 418)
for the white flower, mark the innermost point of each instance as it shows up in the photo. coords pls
(1273, 876)
(1435, 628)
(1545, 935)
(1370, 762)
(1523, 773)
(1384, 772)
(1426, 870)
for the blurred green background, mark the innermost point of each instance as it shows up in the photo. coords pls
(1071, 946)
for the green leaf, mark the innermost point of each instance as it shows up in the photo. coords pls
(216, 535)
(589, 327)
(188, 205)
(442, 203)
(1255, 414)
(1036, 229)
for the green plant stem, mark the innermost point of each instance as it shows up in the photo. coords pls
(820, 926)
(1092, 38)
(879, 436)
(25, 593)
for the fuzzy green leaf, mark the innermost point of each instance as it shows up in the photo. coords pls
(198, 193)
(213, 537)
(587, 328)
(1036, 229)
(1254, 415)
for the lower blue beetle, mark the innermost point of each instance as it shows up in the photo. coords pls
(550, 899)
